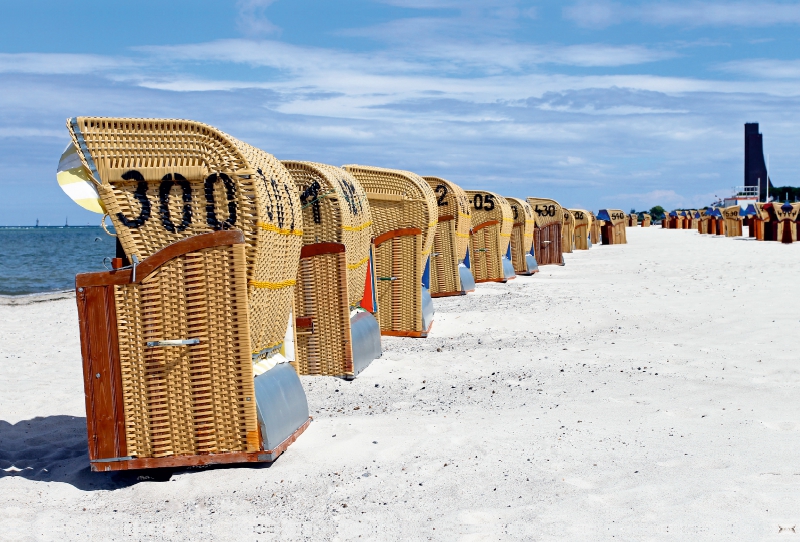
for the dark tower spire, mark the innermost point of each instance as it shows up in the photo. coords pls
(754, 166)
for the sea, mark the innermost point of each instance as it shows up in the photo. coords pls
(46, 259)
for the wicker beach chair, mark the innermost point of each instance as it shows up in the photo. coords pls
(633, 220)
(547, 237)
(782, 219)
(583, 226)
(522, 257)
(595, 228)
(449, 274)
(335, 335)
(490, 239)
(166, 181)
(614, 228)
(733, 221)
(567, 232)
(647, 220)
(404, 220)
(703, 224)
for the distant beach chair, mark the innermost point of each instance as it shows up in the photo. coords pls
(692, 217)
(404, 220)
(583, 227)
(781, 225)
(337, 334)
(595, 228)
(703, 223)
(614, 228)
(647, 220)
(749, 218)
(490, 237)
(567, 232)
(733, 222)
(449, 274)
(163, 182)
(547, 236)
(633, 220)
(522, 257)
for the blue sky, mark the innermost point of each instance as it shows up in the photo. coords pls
(596, 104)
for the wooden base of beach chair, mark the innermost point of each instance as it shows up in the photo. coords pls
(262, 456)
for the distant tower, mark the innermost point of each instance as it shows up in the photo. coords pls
(754, 166)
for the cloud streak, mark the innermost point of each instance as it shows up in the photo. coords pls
(692, 14)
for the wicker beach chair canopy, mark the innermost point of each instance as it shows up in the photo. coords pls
(163, 180)
(335, 210)
(615, 216)
(451, 201)
(546, 211)
(385, 188)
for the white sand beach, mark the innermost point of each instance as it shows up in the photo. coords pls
(641, 392)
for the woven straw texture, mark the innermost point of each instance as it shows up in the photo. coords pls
(336, 210)
(452, 235)
(546, 211)
(647, 220)
(164, 180)
(399, 199)
(188, 400)
(488, 245)
(521, 234)
(325, 348)
(583, 225)
(567, 232)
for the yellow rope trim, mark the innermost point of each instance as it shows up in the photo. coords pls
(508, 220)
(357, 228)
(276, 229)
(464, 215)
(505, 235)
(273, 285)
(434, 223)
(359, 264)
(465, 235)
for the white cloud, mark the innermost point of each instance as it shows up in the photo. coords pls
(56, 63)
(765, 68)
(602, 14)
(252, 20)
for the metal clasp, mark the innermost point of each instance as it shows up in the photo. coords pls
(176, 342)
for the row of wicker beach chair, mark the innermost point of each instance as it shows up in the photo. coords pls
(773, 221)
(236, 272)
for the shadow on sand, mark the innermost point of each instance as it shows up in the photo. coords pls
(55, 449)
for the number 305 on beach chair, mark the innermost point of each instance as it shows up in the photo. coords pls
(490, 240)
